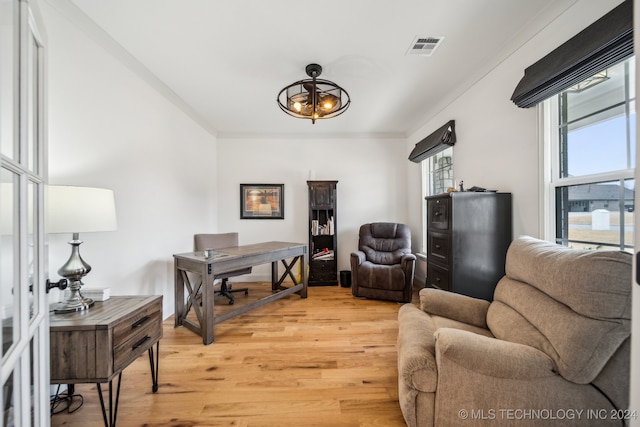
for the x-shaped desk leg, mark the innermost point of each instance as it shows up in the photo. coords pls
(274, 273)
(192, 298)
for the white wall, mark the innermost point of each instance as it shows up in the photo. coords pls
(108, 128)
(371, 185)
(497, 142)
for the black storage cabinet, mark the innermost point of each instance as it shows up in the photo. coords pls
(468, 234)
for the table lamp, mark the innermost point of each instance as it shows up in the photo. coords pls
(78, 210)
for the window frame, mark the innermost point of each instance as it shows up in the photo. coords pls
(549, 127)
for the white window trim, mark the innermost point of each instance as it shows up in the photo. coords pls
(425, 185)
(548, 161)
(546, 137)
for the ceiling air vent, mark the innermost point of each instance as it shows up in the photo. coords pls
(424, 46)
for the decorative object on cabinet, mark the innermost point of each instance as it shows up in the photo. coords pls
(313, 98)
(323, 243)
(468, 234)
(78, 210)
(383, 266)
(261, 201)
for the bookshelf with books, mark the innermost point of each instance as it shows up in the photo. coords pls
(323, 247)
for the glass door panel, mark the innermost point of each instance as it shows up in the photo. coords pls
(8, 257)
(8, 80)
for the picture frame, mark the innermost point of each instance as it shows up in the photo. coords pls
(261, 201)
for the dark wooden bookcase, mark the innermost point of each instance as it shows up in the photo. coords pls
(323, 243)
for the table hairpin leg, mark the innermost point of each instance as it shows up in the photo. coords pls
(154, 361)
(154, 367)
(113, 407)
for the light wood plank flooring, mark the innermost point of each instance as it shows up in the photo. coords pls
(328, 360)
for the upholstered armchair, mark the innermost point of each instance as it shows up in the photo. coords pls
(552, 348)
(383, 265)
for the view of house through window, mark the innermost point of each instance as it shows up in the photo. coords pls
(593, 152)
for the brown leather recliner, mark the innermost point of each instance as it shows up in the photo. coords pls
(383, 266)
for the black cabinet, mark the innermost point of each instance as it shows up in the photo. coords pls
(323, 246)
(468, 235)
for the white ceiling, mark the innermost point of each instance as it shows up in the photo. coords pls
(226, 61)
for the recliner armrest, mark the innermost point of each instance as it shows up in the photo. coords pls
(462, 308)
(490, 356)
(407, 258)
(358, 257)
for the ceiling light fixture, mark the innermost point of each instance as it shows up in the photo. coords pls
(313, 98)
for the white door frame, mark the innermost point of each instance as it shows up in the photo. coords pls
(635, 311)
(26, 358)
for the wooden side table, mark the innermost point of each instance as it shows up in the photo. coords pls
(96, 345)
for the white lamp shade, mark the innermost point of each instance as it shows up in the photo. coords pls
(79, 209)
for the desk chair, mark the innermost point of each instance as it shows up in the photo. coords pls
(220, 241)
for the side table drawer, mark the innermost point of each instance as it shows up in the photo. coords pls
(136, 334)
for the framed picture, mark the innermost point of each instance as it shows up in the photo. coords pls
(261, 201)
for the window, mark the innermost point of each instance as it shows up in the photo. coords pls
(437, 177)
(591, 130)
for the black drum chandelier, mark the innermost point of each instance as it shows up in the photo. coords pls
(313, 98)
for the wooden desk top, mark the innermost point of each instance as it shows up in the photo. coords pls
(238, 257)
(232, 252)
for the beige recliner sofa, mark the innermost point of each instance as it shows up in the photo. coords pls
(552, 348)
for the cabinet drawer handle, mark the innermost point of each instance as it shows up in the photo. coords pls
(139, 322)
(438, 247)
(437, 214)
(437, 280)
(142, 341)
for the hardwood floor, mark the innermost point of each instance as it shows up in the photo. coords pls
(328, 360)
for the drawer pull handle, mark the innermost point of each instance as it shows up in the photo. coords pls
(139, 322)
(437, 214)
(438, 247)
(142, 341)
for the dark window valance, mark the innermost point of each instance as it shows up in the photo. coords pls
(443, 138)
(601, 45)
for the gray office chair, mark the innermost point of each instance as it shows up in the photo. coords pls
(221, 241)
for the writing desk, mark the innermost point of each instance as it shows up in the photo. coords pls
(231, 259)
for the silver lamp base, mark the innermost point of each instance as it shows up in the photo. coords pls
(74, 270)
(74, 303)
